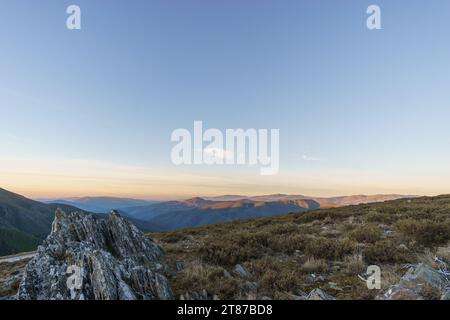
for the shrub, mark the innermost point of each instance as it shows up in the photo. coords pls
(226, 255)
(384, 251)
(354, 264)
(430, 293)
(275, 276)
(329, 249)
(198, 276)
(366, 234)
(426, 233)
(288, 243)
(314, 265)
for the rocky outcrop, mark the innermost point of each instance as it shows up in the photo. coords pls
(421, 282)
(85, 257)
(318, 294)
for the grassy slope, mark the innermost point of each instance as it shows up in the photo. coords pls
(20, 213)
(13, 241)
(335, 245)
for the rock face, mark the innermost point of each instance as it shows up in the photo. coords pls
(94, 259)
(419, 279)
(318, 294)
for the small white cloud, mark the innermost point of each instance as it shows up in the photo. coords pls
(310, 158)
(219, 153)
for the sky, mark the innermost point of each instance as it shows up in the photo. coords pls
(91, 111)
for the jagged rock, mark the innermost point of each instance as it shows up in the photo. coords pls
(319, 294)
(399, 292)
(312, 278)
(241, 272)
(226, 274)
(179, 265)
(334, 286)
(251, 290)
(421, 275)
(114, 259)
(300, 293)
(415, 280)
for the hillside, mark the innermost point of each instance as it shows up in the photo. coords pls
(28, 216)
(25, 222)
(100, 204)
(319, 254)
(13, 241)
(197, 212)
(336, 201)
(172, 215)
(286, 257)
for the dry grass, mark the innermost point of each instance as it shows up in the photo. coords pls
(335, 245)
(9, 271)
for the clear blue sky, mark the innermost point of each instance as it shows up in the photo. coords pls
(359, 111)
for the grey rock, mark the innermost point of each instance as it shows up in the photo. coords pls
(241, 271)
(226, 274)
(116, 262)
(415, 279)
(179, 265)
(446, 295)
(398, 292)
(421, 275)
(251, 286)
(319, 294)
(334, 286)
(250, 290)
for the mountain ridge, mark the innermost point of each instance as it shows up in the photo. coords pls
(199, 211)
(28, 222)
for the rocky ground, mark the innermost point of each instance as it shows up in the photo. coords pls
(323, 254)
(318, 255)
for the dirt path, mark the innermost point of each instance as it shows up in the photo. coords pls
(17, 257)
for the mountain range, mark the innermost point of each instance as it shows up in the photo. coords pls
(25, 222)
(194, 212)
(99, 204)
(171, 215)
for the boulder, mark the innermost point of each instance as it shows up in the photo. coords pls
(416, 282)
(319, 294)
(85, 257)
(421, 275)
(241, 271)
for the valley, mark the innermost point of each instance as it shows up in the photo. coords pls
(319, 254)
(24, 223)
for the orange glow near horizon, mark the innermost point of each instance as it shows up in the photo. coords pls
(62, 178)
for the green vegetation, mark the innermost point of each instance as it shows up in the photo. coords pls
(13, 241)
(298, 252)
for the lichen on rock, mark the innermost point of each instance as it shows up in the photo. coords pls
(113, 260)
